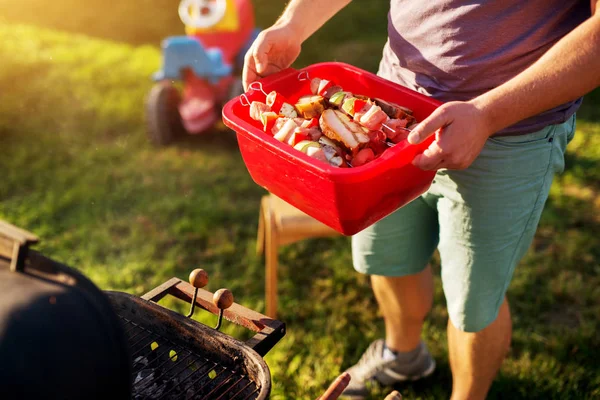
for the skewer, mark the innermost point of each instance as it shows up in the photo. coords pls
(303, 76)
(390, 144)
(243, 98)
(257, 86)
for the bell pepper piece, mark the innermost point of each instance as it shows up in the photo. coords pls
(275, 101)
(359, 105)
(299, 137)
(310, 123)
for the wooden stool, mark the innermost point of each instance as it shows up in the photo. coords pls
(279, 224)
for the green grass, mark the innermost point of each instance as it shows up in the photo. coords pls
(78, 171)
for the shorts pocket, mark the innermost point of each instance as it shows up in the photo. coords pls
(542, 137)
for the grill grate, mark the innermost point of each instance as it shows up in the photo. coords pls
(164, 370)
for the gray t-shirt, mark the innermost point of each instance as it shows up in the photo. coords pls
(459, 49)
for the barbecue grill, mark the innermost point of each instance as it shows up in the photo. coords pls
(171, 355)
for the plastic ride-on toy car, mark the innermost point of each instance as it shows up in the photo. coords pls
(208, 61)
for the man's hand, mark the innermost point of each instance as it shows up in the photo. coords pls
(275, 49)
(278, 47)
(460, 130)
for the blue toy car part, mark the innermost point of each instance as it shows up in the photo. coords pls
(180, 52)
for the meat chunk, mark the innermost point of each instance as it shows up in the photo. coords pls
(340, 128)
(395, 129)
(331, 91)
(364, 156)
(314, 85)
(374, 118)
(393, 110)
(257, 108)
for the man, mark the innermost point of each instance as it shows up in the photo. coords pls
(511, 74)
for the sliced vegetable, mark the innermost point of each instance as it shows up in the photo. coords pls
(299, 135)
(348, 106)
(268, 120)
(304, 145)
(310, 106)
(359, 105)
(286, 131)
(310, 123)
(337, 99)
(323, 86)
(275, 101)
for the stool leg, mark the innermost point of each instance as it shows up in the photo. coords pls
(271, 265)
(260, 237)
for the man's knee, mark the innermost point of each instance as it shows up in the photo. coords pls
(409, 297)
(475, 316)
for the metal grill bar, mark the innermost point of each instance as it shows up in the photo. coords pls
(147, 343)
(210, 381)
(136, 334)
(232, 387)
(168, 367)
(129, 328)
(251, 394)
(188, 377)
(172, 367)
(220, 385)
(238, 392)
(201, 376)
(161, 365)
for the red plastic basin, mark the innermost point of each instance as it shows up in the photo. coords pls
(346, 199)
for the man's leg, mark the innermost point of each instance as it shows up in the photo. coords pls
(404, 302)
(475, 358)
(488, 217)
(395, 252)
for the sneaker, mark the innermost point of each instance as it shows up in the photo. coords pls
(374, 368)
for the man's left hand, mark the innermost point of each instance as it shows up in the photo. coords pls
(460, 130)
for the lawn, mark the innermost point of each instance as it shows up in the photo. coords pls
(78, 171)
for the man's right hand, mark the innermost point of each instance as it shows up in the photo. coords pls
(273, 50)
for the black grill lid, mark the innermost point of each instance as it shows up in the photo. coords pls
(59, 337)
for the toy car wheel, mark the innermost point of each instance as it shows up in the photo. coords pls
(162, 114)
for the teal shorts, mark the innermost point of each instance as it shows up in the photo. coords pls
(481, 219)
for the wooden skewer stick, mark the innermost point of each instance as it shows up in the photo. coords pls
(336, 388)
(395, 395)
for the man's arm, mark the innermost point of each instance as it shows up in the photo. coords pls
(567, 71)
(570, 69)
(305, 17)
(278, 47)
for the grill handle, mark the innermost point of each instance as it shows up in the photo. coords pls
(223, 299)
(268, 331)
